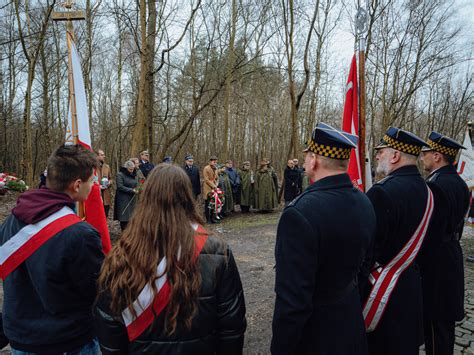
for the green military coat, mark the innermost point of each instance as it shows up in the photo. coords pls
(229, 198)
(265, 190)
(247, 195)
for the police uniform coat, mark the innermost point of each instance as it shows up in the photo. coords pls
(441, 259)
(399, 201)
(322, 239)
(193, 173)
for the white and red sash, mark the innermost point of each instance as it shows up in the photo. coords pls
(31, 237)
(385, 279)
(148, 307)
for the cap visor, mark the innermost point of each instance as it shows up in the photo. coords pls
(381, 145)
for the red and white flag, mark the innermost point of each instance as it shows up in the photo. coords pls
(79, 125)
(350, 124)
(466, 162)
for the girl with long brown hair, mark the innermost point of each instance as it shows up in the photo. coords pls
(167, 287)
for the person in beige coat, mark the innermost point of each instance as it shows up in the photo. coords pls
(210, 183)
(105, 181)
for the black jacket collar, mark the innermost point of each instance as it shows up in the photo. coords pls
(406, 170)
(447, 169)
(331, 182)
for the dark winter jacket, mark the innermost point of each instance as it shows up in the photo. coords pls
(193, 173)
(317, 306)
(218, 328)
(48, 298)
(292, 183)
(234, 179)
(146, 167)
(125, 197)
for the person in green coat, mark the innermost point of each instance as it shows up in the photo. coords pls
(265, 191)
(275, 179)
(247, 196)
(227, 188)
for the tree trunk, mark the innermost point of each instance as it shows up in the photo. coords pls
(138, 137)
(228, 81)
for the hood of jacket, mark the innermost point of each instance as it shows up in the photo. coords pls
(35, 205)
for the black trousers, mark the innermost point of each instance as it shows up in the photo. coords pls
(439, 337)
(207, 211)
(245, 209)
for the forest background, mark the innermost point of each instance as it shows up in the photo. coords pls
(241, 79)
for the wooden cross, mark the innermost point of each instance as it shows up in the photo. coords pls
(68, 15)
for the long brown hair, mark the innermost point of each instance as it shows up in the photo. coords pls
(160, 225)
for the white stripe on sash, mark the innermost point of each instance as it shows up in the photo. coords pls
(28, 232)
(146, 298)
(417, 238)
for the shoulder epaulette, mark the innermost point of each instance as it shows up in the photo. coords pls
(433, 177)
(296, 199)
(384, 180)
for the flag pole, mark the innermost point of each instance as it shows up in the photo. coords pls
(361, 29)
(362, 110)
(69, 16)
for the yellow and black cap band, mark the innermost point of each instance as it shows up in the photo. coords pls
(403, 141)
(403, 147)
(328, 151)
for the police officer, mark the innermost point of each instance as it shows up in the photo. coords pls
(322, 240)
(402, 205)
(440, 258)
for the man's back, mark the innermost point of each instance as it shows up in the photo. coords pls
(48, 297)
(322, 240)
(399, 201)
(441, 257)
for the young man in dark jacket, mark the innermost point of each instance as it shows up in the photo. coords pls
(50, 261)
(234, 179)
(193, 173)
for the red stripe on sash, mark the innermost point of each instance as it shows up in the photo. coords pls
(144, 320)
(391, 273)
(162, 298)
(36, 241)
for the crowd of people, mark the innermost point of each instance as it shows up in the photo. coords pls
(378, 273)
(223, 186)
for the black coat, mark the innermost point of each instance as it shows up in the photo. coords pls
(193, 173)
(441, 259)
(48, 298)
(125, 197)
(321, 242)
(292, 179)
(218, 328)
(146, 167)
(399, 201)
(301, 171)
